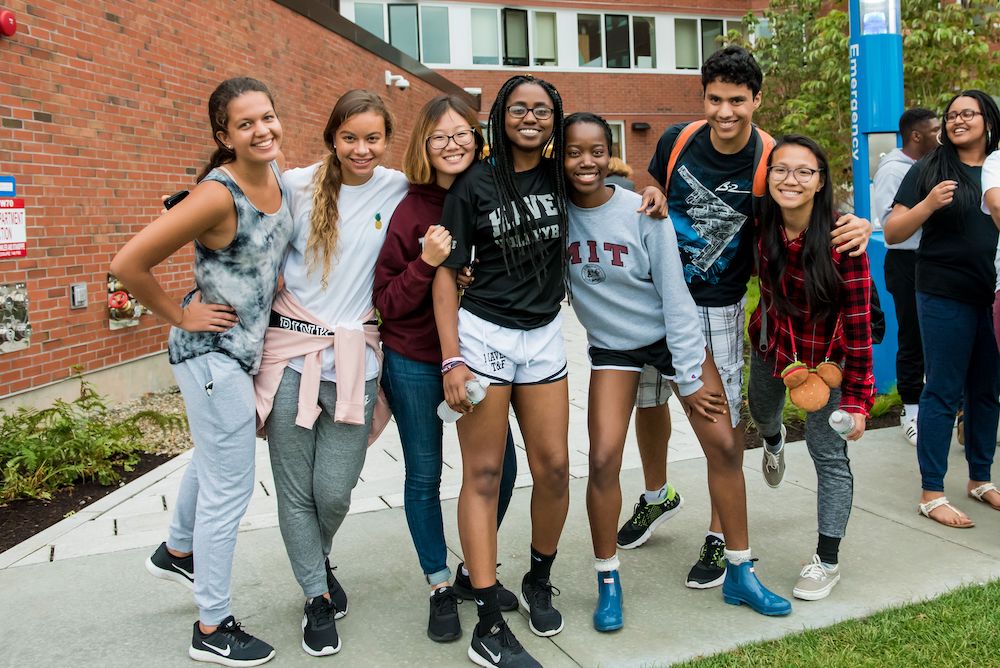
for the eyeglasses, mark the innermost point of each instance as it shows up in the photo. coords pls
(440, 141)
(520, 111)
(803, 175)
(965, 115)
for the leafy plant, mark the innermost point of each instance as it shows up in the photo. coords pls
(42, 451)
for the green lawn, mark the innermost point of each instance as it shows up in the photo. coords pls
(961, 628)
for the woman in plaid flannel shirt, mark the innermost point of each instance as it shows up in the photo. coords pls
(814, 306)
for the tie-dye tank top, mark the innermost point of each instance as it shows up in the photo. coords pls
(243, 275)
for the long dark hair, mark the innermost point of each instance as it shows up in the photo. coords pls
(218, 116)
(822, 280)
(942, 163)
(512, 205)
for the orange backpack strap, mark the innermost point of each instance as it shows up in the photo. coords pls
(765, 144)
(681, 143)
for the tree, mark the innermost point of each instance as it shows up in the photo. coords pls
(802, 49)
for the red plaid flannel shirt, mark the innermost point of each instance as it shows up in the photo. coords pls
(853, 347)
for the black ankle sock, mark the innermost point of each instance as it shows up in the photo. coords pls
(488, 607)
(827, 549)
(541, 565)
(773, 440)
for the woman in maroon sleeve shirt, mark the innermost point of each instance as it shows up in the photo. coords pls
(814, 307)
(445, 141)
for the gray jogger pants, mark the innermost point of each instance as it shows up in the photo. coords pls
(314, 473)
(827, 449)
(218, 483)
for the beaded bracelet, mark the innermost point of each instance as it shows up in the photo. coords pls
(450, 364)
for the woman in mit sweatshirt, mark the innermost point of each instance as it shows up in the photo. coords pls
(629, 293)
(444, 143)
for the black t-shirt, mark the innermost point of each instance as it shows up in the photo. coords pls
(518, 295)
(955, 257)
(711, 205)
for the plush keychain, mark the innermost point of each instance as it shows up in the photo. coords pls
(809, 389)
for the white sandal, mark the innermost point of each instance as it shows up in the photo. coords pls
(978, 493)
(926, 509)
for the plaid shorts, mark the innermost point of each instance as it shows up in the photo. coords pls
(723, 329)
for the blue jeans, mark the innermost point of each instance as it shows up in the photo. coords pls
(414, 390)
(960, 353)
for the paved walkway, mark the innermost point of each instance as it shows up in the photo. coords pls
(85, 574)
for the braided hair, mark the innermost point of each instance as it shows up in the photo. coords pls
(512, 204)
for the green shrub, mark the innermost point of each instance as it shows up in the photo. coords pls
(43, 451)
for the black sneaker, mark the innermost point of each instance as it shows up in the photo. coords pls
(710, 569)
(164, 565)
(337, 593)
(463, 587)
(646, 517)
(443, 625)
(500, 648)
(543, 619)
(229, 645)
(319, 628)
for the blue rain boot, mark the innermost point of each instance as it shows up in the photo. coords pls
(608, 614)
(743, 587)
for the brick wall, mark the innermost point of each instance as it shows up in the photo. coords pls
(102, 110)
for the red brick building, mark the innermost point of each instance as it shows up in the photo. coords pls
(102, 110)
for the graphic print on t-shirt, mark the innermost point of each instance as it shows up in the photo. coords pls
(539, 206)
(716, 223)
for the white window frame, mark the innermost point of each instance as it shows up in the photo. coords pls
(621, 134)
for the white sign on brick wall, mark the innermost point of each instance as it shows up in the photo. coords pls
(13, 232)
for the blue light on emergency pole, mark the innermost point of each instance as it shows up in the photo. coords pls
(876, 102)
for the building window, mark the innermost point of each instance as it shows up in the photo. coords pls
(711, 31)
(368, 15)
(404, 29)
(686, 52)
(589, 40)
(644, 41)
(434, 33)
(485, 40)
(616, 44)
(515, 37)
(738, 27)
(617, 139)
(545, 38)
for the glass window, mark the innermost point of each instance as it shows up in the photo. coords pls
(515, 37)
(403, 29)
(616, 45)
(434, 24)
(686, 44)
(617, 139)
(711, 30)
(589, 40)
(485, 43)
(737, 26)
(368, 15)
(545, 38)
(644, 41)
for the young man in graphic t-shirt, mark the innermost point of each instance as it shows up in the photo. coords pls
(710, 199)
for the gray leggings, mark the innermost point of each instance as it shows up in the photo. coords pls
(314, 473)
(827, 449)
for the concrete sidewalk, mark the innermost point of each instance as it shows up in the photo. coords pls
(77, 594)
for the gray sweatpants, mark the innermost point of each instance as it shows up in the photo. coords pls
(827, 449)
(218, 483)
(314, 473)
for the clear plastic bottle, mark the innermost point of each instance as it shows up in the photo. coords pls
(475, 391)
(841, 422)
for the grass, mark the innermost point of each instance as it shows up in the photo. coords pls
(959, 629)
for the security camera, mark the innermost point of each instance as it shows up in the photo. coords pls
(402, 84)
(397, 80)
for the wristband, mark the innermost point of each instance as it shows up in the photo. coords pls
(450, 364)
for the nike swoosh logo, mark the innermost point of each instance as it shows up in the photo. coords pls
(495, 657)
(189, 576)
(223, 652)
(478, 602)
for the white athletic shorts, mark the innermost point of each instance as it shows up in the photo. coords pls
(505, 356)
(723, 329)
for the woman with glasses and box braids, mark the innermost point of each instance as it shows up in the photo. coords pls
(955, 280)
(813, 323)
(445, 142)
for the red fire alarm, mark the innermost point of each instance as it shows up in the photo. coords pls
(8, 23)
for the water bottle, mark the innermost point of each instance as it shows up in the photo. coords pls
(475, 391)
(842, 423)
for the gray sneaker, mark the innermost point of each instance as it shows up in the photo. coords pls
(816, 580)
(773, 464)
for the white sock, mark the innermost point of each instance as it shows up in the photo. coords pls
(465, 571)
(737, 557)
(656, 495)
(909, 413)
(716, 534)
(605, 565)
